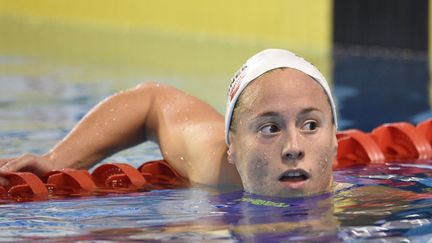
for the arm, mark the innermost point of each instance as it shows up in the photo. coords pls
(189, 132)
(116, 123)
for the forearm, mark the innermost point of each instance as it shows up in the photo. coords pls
(114, 124)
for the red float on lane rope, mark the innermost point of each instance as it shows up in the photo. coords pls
(425, 128)
(25, 184)
(2, 190)
(70, 180)
(357, 147)
(118, 175)
(402, 141)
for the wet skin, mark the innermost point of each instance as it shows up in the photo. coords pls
(284, 143)
(285, 126)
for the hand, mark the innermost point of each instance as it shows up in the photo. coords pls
(38, 165)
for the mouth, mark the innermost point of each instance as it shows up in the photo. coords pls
(293, 176)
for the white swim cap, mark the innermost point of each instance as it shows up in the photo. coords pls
(265, 61)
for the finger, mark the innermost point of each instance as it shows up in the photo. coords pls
(5, 160)
(27, 162)
(18, 163)
(3, 169)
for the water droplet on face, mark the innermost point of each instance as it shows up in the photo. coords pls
(181, 158)
(111, 110)
(114, 119)
(186, 118)
(157, 85)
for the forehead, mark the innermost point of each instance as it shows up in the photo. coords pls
(287, 87)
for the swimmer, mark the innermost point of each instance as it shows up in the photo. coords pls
(278, 137)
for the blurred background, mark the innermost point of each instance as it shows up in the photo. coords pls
(58, 58)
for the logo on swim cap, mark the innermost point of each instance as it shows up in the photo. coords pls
(235, 82)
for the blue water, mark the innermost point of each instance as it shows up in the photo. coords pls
(389, 202)
(373, 210)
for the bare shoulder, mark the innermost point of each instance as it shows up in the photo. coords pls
(189, 131)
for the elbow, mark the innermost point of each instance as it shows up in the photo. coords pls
(150, 92)
(146, 91)
(149, 86)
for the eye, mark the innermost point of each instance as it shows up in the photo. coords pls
(269, 129)
(310, 126)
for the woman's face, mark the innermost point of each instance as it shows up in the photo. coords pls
(285, 140)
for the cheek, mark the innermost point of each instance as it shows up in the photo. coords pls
(254, 162)
(325, 154)
(253, 166)
(324, 168)
(324, 163)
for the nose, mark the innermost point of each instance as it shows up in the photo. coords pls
(293, 149)
(294, 155)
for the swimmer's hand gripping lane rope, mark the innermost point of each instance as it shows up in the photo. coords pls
(396, 142)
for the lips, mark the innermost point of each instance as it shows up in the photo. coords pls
(295, 175)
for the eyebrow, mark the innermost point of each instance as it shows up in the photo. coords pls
(301, 113)
(268, 114)
(309, 110)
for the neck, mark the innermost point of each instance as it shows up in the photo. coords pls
(228, 173)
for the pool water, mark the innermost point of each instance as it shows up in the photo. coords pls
(390, 202)
(45, 89)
